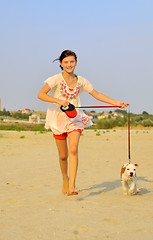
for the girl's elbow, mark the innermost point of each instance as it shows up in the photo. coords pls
(96, 95)
(39, 95)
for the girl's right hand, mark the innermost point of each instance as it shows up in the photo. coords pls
(122, 104)
(64, 103)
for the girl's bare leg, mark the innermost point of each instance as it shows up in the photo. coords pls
(73, 138)
(63, 155)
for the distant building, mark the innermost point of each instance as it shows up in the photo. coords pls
(104, 115)
(115, 115)
(34, 118)
(26, 110)
(89, 115)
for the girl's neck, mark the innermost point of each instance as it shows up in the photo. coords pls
(70, 79)
(68, 76)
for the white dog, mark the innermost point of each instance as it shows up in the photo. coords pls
(128, 178)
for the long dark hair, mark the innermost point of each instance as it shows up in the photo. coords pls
(65, 54)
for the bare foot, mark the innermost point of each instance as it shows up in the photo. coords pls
(73, 191)
(65, 188)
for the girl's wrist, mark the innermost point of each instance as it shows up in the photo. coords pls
(116, 103)
(57, 101)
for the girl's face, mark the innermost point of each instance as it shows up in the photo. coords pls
(68, 63)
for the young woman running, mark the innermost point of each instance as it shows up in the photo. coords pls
(62, 89)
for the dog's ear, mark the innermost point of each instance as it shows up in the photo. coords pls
(136, 165)
(122, 170)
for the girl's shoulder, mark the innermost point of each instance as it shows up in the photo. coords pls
(85, 84)
(55, 77)
(54, 80)
(81, 79)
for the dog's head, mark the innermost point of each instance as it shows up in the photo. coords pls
(129, 170)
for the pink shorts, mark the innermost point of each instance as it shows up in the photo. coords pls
(64, 135)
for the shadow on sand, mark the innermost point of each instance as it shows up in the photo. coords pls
(109, 186)
(100, 188)
(144, 190)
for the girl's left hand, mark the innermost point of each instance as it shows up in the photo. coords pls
(122, 104)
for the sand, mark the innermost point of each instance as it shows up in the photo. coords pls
(32, 206)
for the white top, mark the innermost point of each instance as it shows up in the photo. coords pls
(58, 121)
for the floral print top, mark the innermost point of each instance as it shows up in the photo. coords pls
(56, 120)
(67, 92)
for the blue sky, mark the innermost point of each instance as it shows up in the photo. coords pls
(113, 40)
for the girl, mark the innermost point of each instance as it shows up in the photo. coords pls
(65, 88)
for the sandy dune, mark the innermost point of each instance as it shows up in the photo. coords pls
(32, 206)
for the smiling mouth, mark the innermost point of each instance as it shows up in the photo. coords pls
(69, 68)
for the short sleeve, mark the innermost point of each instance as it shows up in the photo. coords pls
(52, 81)
(85, 85)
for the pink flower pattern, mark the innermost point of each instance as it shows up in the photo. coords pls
(69, 93)
(85, 120)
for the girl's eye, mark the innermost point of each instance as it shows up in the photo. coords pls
(134, 169)
(128, 169)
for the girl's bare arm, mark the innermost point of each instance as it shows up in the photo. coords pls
(103, 98)
(43, 95)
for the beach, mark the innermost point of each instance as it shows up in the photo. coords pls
(32, 206)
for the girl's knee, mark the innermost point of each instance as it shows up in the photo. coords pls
(73, 150)
(63, 156)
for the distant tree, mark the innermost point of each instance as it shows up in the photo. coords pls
(145, 113)
(20, 115)
(124, 112)
(147, 123)
(5, 112)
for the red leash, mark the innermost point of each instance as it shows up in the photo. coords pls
(98, 107)
(129, 135)
(129, 154)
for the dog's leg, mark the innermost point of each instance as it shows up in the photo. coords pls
(132, 188)
(136, 187)
(125, 187)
